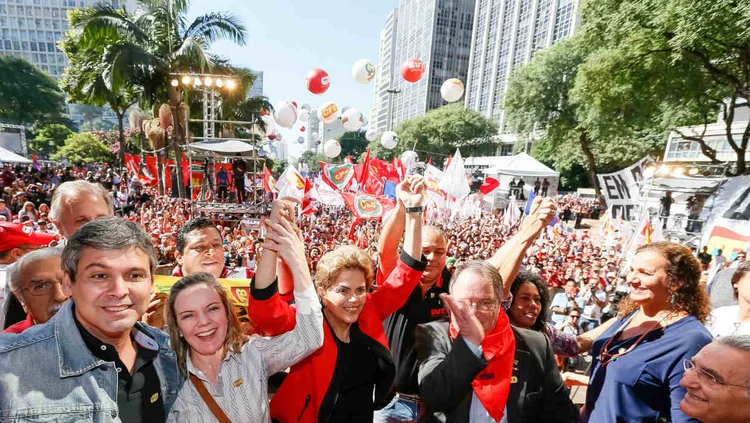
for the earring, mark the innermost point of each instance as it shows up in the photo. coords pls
(673, 299)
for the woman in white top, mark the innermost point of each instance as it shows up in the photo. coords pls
(735, 319)
(218, 359)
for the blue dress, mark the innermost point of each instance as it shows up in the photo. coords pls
(644, 384)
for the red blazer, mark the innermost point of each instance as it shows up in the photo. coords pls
(305, 390)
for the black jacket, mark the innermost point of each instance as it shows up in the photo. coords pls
(537, 393)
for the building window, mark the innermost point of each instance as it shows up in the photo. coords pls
(506, 149)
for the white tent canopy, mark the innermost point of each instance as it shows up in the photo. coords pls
(7, 156)
(223, 147)
(519, 165)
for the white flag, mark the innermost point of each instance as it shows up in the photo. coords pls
(512, 213)
(454, 181)
(291, 184)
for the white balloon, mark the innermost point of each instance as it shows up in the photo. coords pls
(352, 119)
(332, 148)
(328, 112)
(363, 71)
(409, 159)
(452, 90)
(285, 114)
(389, 140)
(301, 140)
(371, 134)
(304, 115)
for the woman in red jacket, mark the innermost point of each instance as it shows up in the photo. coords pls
(335, 383)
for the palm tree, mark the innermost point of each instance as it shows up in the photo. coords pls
(143, 49)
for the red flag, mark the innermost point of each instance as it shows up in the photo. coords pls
(336, 176)
(348, 160)
(489, 185)
(429, 161)
(648, 231)
(448, 162)
(307, 200)
(185, 170)
(386, 170)
(364, 171)
(399, 168)
(269, 183)
(374, 183)
(132, 163)
(37, 166)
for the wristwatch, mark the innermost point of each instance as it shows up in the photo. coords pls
(417, 209)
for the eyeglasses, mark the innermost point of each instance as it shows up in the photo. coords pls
(484, 306)
(705, 376)
(40, 287)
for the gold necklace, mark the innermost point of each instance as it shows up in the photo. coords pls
(605, 357)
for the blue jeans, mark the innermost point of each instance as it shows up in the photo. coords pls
(588, 324)
(399, 410)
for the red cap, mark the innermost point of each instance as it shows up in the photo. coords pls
(13, 236)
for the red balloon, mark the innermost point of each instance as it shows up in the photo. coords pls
(302, 129)
(318, 81)
(412, 70)
(271, 137)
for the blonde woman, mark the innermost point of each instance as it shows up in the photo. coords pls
(227, 373)
(336, 383)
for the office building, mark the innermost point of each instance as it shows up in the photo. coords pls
(257, 89)
(30, 29)
(507, 33)
(438, 32)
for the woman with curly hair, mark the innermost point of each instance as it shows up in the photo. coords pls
(638, 357)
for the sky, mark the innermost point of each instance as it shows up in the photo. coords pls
(287, 38)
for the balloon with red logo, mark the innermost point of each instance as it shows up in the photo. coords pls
(271, 137)
(302, 129)
(328, 112)
(285, 114)
(412, 70)
(452, 90)
(318, 81)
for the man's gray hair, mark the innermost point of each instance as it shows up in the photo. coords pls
(106, 234)
(15, 270)
(72, 190)
(740, 342)
(485, 271)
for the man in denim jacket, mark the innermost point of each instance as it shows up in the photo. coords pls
(94, 361)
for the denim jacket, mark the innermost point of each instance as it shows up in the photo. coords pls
(47, 374)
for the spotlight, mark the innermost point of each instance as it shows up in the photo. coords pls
(231, 84)
(694, 171)
(678, 171)
(186, 80)
(208, 81)
(219, 82)
(649, 172)
(174, 83)
(663, 170)
(197, 82)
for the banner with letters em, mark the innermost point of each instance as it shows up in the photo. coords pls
(620, 189)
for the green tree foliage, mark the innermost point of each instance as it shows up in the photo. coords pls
(313, 159)
(353, 144)
(50, 139)
(541, 105)
(82, 149)
(439, 132)
(665, 64)
(28, 95)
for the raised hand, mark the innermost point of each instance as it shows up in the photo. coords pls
(543, 211)
(154, 315)
(285, 239)
(464, 320)
(411, 191)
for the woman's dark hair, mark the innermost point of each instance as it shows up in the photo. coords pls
(526, 276)
(742, 270)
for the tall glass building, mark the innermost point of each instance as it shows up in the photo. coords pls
(30, 29)
(507, 34)
(436, 31)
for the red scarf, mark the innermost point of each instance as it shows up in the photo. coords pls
(492, 385)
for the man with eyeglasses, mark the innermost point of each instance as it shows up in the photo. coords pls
(36, 280)
(478, 368)
(16, 241)
(717, 380)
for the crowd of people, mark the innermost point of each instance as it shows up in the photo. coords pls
(399, 320)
